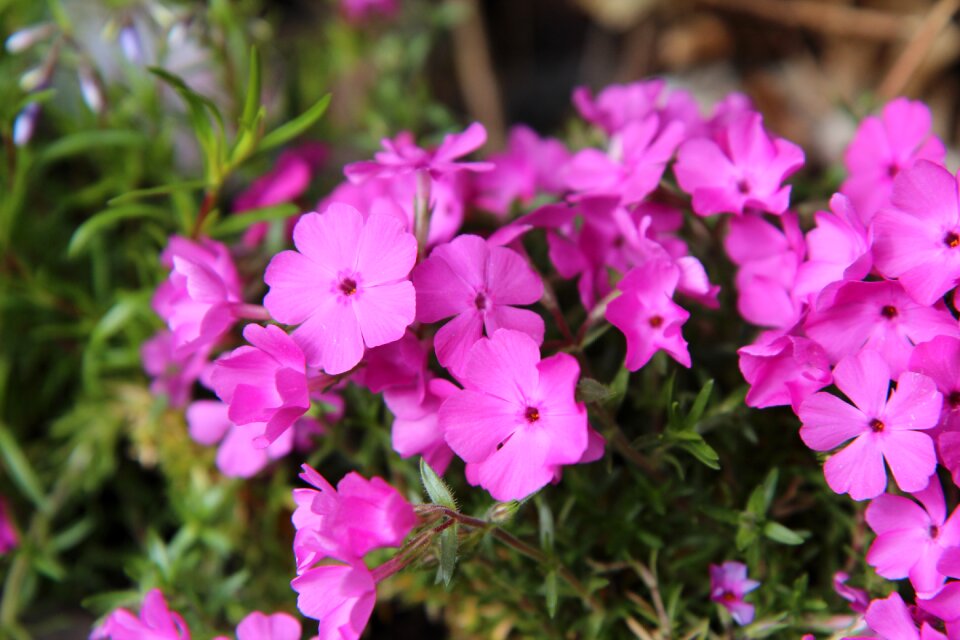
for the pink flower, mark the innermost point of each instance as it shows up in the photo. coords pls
(876, 315)
(618, 105)
(199, 299)
(728, 585)
(892, 620)
(8, 533)
(911, 539)
(289, 179)
(633, 165)
(398, 364)
(917, 239)
(745, 171)
(260, 626)
(265, 382)
(156, 622)
(516, 420)
(530, 165)
(939, 359)
(882, 428)
(883, 146)
(416, 426)
(400, 156)
(174, 372)
(479, 284)
(347, 522)
(858, 598)
(346, 283)
(340, 596)
(360, 10)
(783, 369)
(647, 315)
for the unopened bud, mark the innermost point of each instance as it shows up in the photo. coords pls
(26, 38)
(90, 88)
(131, 45)
(33, 79)
(503, 511)
(25, 124)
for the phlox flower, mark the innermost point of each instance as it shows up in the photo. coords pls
(647, 315)
(876, 315)
(529, 165)
(911, 538)
(728, 585)
(340, 596)
(199, 299)
(946, 603)
(516, 419)
(8, 533)
(617, 105)
(397, 364)
(155, 622)
(346, 285)
(939, 359)
(633, 164)
(917, 238)
(260, 626)
(858, 598)
(289, 179)
(744, 171)
(174, 371)
(416, 424)
(882, 428)
(360, 10)
(882, 147)
(401, 155)
(264, 382)
(479, 284)
(783, 369)
(892, 620)
(347, 522)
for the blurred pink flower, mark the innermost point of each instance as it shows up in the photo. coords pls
(340, 596)
(728, 585)
(155, 622)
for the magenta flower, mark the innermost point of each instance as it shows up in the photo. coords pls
(876, 315)
(238, 456)
(648, 316)
(883, 146)
(891, 619)
(357, 11)
(155, 622)
(882, 428)
(618, 105)
(479, 284)
(260, 626)
(416, 425)
(728, 585)
(858, 598)
(8, 533)
(783, 369)
(346, 285)
(400, 156)
(200, 298)
(633, 165)
(912, 538)
(939, 359)
(398, 364)
(516, 420)
(340, 596)
(265, 382)
(347, 522)
(917, 239)
(744, 172)
(173, 371)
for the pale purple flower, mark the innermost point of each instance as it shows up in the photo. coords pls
(479, 284)
(876, 315)
(155, 622)
(744, 172)
(401, 155)
(728, 585)
(917, 239)
(517, 419)
(912, 537)
(340, 596)
(647, 315)
(346, 285)
(883, 146)
(883, 429)
(265, 382)
(783, 369)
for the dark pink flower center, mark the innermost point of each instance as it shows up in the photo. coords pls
(934, 531)
(532, 414)
(954, 399)
(952, 240)
(480, 301)
(728, 596)
(893, 170)
(348, 286)
(889, 312)
(655, 321)
(743, 186)
(877, 425)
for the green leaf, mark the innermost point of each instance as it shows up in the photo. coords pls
(703, 452)
(699, 405)
(551, 593)
(108, 218)
(746, 536)
(162, 190)
(86, 141)
(295, 127)
(251, 104)
(590, 390)
(436, 488)
(448, 554)
(762, 497)
(779, 533)
(545, 516)
(21, 472)
(238, 222)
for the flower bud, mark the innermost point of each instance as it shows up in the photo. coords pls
(25, 38)
(25, 124)
(90, 88)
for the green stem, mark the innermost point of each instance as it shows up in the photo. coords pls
(421, 207)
